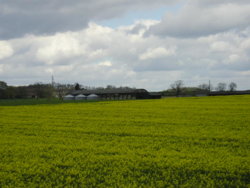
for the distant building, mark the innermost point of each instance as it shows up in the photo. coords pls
(69, 97)
(115, 94)
(80, 97)
(93, 97)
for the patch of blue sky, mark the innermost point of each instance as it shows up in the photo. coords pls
(131, 16)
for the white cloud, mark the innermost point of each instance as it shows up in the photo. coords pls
(220, 46)
(234, 58)
(105, 64)
(246, 44)
(5, 50)
(155, 53)
(59, 47)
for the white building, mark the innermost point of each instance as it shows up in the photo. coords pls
(69, 97)
(80, 97)
(92, 97)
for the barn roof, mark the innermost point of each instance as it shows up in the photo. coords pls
(109, 91)
(68, 96)
(81, 95)
(92, 95)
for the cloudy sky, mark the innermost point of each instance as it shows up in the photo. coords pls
(138, 43)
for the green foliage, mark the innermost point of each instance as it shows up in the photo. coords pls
(176, 142)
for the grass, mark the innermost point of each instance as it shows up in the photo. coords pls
(177, 142)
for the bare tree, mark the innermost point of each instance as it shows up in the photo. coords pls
(221, 86)
(232, 86)
(204, 87)
(177, 86)
(63, 89)
(110, 87)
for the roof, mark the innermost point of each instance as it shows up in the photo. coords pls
(154, 93)
(68, 96)
(81, 95)
(108, 91)
(93, 95)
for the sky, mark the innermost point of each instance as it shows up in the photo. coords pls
(140, 43)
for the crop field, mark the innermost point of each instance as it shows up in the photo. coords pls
(172, 142)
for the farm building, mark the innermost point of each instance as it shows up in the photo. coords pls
(69, 97)
(116, 94)
(80, 97)
(93, 97)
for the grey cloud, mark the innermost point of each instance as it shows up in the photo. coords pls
(206, 3)
(137, 28)
(19, 18)
(195, 20)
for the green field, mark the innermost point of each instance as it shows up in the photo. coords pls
(174, 142)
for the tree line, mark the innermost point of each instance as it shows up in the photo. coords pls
(42, 90)
(178, 88)
(57, 90)
(36, 90)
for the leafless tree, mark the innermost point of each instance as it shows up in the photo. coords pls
(177, 86)
(204, 87)
(221, 86)
(232, 86)
(63, 89)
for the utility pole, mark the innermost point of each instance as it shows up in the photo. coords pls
(52, 81)
(209, 86)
